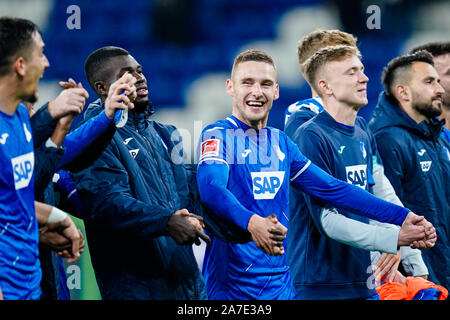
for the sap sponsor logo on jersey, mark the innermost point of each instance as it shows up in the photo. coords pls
(23, 167)
(357, 175)
(266, 184)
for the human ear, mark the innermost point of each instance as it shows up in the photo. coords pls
(19, 66)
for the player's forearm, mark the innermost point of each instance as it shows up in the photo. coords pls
(119, 211)
(342, 195)
(59, 134)
(46, 213)
(77, 141)
(212, 181)
(358, 234)
(42, 125)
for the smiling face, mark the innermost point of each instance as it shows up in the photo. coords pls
(253, 88)
(345, 81)
(34, 68)
(116, 67)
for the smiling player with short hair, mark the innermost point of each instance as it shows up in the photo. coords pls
(243, 175)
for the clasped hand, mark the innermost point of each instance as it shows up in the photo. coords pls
(267, 233)
(417, 232)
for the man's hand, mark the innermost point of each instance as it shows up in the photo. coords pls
(430, 237)
(183, 227)
(386, 267)
(59, 243)
(68, 230)
(414, 232)
(70, 101)
(267, 233)
(67, 254)
(116, 100)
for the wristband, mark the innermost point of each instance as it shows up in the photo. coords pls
(49, 143)
(56, 215)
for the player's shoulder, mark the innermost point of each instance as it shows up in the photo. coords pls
(311, 130)
(22, 111)
(277, 132)
(221, 125)
(313, 125)
(312, 104)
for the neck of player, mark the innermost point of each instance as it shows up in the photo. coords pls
(341, 112)
(8, 97)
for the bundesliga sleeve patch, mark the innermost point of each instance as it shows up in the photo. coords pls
(210, 148)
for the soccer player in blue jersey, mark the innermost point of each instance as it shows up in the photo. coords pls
(244, 173)
(338, 142)
(22, 64)
(302, 111)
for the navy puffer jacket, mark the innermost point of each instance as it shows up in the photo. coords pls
(129, 194)
(417, 163)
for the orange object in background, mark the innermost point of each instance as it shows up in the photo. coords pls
(407, 291)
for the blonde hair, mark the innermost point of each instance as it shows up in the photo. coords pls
(325, 55)
(319, 39)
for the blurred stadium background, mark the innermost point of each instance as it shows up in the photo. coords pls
(187, 48)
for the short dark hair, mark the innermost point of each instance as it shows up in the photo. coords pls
(252, 55)
(95, 62)
(435, 48)
(16, 36)
(398, 66)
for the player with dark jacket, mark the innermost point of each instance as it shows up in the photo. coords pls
(416, 158)
(137, 198)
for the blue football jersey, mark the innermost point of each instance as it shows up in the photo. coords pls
(261, 164)
(321, 267)
(243, 171)
(20, 272)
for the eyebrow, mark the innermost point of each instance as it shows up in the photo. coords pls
(431, 78)
(131, 68)
(253, 79)
(359, 67)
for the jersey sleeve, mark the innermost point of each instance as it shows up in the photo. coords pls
(213, 146)
(77, 141)
(212, 177)
(324, 187)
(343, 195)
(298, 161)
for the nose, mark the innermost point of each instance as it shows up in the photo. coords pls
(46, 62)
(363, 78)
(439, 89)
(139, 77)
(257, 90)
